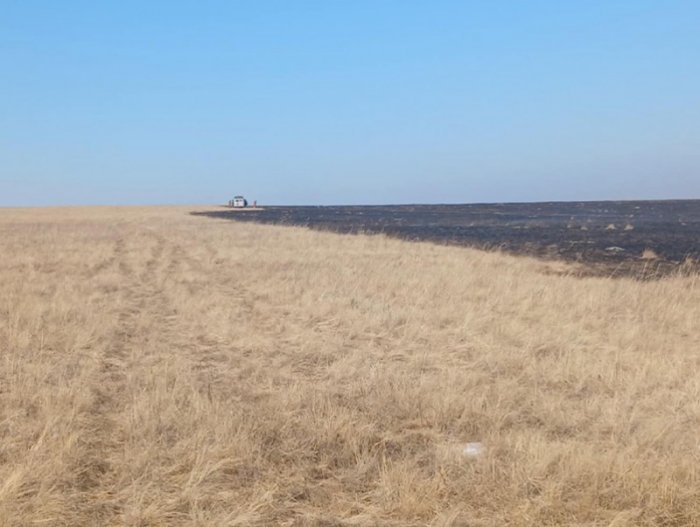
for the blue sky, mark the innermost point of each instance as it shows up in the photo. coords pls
(334, 102)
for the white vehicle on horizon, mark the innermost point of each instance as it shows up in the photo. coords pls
(238, 202)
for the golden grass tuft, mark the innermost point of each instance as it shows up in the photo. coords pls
(649, 254)
(162, 369)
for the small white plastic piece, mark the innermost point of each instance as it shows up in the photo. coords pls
(474, 449)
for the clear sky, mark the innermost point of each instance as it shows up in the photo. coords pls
(335, 102)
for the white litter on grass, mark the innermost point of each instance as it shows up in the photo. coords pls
(473, 449)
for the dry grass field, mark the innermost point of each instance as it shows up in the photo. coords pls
(162, 369)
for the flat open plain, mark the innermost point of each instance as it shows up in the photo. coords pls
(162, 368)
(610, 238)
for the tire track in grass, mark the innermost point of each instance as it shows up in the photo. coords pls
(101, 463)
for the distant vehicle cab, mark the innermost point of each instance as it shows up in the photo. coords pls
(238, 202)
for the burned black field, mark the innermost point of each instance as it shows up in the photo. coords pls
(608, 237)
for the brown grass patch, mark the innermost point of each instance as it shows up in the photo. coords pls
(163, 369)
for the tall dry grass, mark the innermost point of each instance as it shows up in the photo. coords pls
(163, 369)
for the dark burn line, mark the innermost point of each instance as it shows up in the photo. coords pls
(606, 236)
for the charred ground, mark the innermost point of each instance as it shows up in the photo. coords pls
(610, 236)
